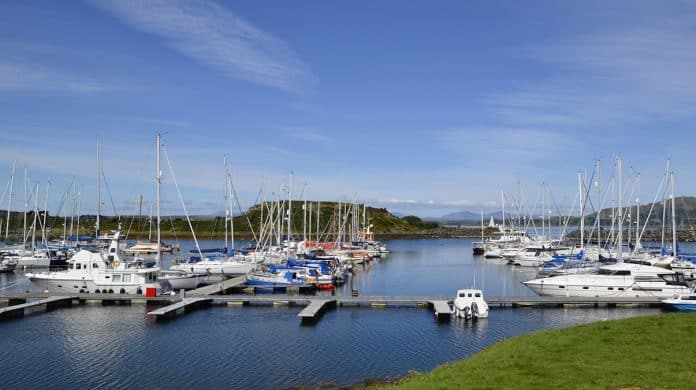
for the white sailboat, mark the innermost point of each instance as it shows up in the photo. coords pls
(218, 262)
(178, 279)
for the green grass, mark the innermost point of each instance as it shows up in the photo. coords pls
(654, 352)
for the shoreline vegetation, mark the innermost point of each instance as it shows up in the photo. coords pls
(247, 225)
(634, 353)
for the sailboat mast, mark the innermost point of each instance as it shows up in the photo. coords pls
(582, 210)
(309, 226)
(637, 210)
(599, 207)
(304, 213)
(230, 192)
(43, 230)
(79, 211)
(26, 189)
(664, 206)
(98, 190)
(227, 210)
(9, 201)
(36, 211)
(263, 204)
(140, 215)
(158, 180)
(290, 213)
(619, 257)
(674, 217)
(543, 210)
(502, 202)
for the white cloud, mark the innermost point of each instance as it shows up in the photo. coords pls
(18, 76)
(215, 36)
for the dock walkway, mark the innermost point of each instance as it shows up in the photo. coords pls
(45, 304)
(315, 305)
(219, 288)
(180, 307)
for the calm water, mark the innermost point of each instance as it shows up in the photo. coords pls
(266, 347)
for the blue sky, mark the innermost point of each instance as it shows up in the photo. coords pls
(424, 108)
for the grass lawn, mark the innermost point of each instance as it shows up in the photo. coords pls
(654, 352)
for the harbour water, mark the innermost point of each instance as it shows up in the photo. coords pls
(266, 347)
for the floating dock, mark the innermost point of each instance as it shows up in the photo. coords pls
(181, 307)
(441, 309)
(46, 304)
(315, 305)
(315, 308)
(219, 288)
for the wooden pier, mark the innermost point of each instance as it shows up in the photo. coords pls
(314, 305)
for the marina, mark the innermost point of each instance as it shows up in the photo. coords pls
(216, 194)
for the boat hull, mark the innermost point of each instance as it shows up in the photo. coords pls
(86, 286)
(607, 290)
(230, 269)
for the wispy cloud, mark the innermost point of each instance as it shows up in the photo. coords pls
(623, 74)
(305, 134)
(26, 77)
(215, 36)
(509, 143)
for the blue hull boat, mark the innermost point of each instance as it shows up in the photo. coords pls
(679, 303)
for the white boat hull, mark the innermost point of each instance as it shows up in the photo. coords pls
(231, 268)
(85, 286)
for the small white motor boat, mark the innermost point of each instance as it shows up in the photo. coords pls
(469, 303)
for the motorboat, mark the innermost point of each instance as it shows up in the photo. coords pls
(614, 280)
(7, 265)
(686, 267)
(280, 277)
(98, 272)
(469, 303)
(680, 302)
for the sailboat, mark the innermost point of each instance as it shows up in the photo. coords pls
(177, 279)
(219, 262)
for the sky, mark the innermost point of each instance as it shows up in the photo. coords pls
(423, 108)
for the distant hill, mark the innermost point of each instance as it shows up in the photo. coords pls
(685, 207)
(470, 217)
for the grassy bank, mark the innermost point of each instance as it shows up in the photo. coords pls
(654, 352)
